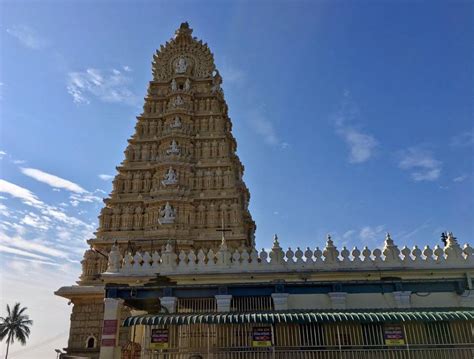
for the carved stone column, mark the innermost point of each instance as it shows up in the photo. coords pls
(169, 303)
(338, 300)
(280, 301)
(110, 348)
(223, 302)
(402, 299)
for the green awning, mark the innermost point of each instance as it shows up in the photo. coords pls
(302, 317)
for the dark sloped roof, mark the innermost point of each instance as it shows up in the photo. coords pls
(304, 317)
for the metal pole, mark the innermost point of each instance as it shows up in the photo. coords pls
(208, 341)
(273, 342)
(339, 341)
(406, 340)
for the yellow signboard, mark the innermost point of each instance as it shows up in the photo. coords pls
(159, 339)
(262, 337)
(393, 335)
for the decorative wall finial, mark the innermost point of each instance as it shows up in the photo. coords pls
(275, 241)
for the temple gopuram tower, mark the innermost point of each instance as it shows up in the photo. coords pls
(180, 182)
(181, 179)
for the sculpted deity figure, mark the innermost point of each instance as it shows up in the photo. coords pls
(173, 149)
(127, 218)
(178, 101)
(105, 218)
(170, 178)
(137, 218)
(136, 182)
(147, 182)
(176, 123)
(128, 182)
(187, 85)
(216, 83)
(156, 181)
(154, 150)
(174, 86)
(167, 214)
(181, 65)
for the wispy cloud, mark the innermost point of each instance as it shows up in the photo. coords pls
(10, 250)
(78, 194)
(105, 177)
(361, 144)
(463, 139)
(2, 154)
(461, 178)
(43, 249)
(27, 36)
(421, 164)
(371, 233)
(106, 85)
(25, 195)
(52, 180)
(231, 74)
(266, 129)
(349, 233)
(33, 220)
(30, 199)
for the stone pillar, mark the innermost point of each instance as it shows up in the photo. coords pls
(169, 303)
(223, 302)
(109, 346)
(402, 299)
(280, 301)
(338, 300)
(466, 299)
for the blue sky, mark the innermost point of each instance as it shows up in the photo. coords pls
(352, 118)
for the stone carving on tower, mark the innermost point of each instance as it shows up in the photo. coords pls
(181, 177)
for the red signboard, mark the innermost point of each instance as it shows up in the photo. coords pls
(110, 327)
(108, 342)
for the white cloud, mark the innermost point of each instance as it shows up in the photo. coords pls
(463, 139)
(33, 220)
(2, 154)
(105, 177)
(9, 250)
(43, 249)
(52, 180)
(231, 74)
(78, 195)
(361, 144)
(127, 68)
(349, 233)
(461, 178)
(265, 128)
(369, 233)
(27, 36)
(30, 199)
(421, 164)
(106, 85)
(25, 195)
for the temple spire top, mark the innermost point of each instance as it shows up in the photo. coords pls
(184, 31)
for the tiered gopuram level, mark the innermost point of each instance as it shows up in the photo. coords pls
(181, 179)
